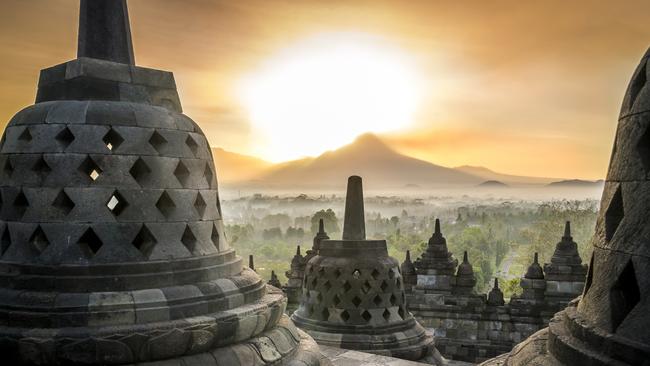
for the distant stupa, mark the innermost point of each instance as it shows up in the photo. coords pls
(353, 293)
(112, 249)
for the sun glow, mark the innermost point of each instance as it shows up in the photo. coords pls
(322, 93)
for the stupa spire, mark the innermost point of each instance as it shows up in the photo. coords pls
(104, 31)
(437, 229)
(354, 226)
(567, 231)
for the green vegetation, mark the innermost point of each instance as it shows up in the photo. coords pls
(500, 236)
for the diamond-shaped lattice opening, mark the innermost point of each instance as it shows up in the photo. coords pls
(25, 135)
(90, 242)
(188, 239)
(165, 204)
(321, 272)
(346, 286)
(65, 137)
(9, 167)
(375, 274)
(366, 315)
(21, 204)
(39, 240)
(157, 141)
(356, 301)
(590, 275)
(356, 273)
(391, 274)
(325, 314)
(337, 273)
(386, 315)
(215, 236)
(41, 167)
(207, 173)
(377, 300)
(345, 315)
(336, 300)
(63, 203)
(314, 282)
(624, 295)
(366, 287)
(112, 140)
(5, 241)
(140, 171)
(144, 241)
(384, 286)
(614, 214)
(637, 84)
(401, 312)
(90, 169)
(182, 173)
(643, 148)
(327, 285)
(116, 203)
(319, 297)
(191, 143)
(393, 299)
(199, 204)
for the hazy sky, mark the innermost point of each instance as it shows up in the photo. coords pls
(522, 87)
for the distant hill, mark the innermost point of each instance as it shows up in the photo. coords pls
(493, 184)
(577, 183)
(488, 174)
(368, 156)
(233, 167)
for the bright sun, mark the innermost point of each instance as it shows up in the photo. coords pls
(322, 93)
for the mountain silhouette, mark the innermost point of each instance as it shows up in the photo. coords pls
(369, 157)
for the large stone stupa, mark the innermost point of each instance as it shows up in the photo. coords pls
(353, 294)
(112, 244)
(609, 324)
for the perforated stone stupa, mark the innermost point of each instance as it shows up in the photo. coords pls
(353, 293)
(112, 245)
(609, 324)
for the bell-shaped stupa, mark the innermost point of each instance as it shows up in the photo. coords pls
(353, 293)
(112, 249)
(609, 324)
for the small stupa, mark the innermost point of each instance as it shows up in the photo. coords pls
(113, 249)
(353, 293)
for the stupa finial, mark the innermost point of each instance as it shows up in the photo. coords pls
(437, 229)
(104, 31)
(321, 226)
(354, 226)
(567, 230)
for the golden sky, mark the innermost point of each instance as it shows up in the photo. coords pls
(521, 87)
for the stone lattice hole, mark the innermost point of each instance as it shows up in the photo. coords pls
(207, 173)
(346, 286)
(366, 315)
(345, 316)
(614, 214)
(144, 241)
(215, 236)
(112, 140)
(90, 169)
(157, 141)
(199, 204)
(182, 173)
(25, 136)
(188, 239)
(356, 301)
(5, 241)
(327, 285)
(165, 205)
(401, 312)
(393, 299)
(63, 203)
(8, 167)
(377, 300)
(90, 242)
(366, 287)
(21, 204)
(191, 143)
(384, 286)
(624, 295)
(41, 167)
(375, 274)
(140, 171)
(65, 137)
(116, 203)
(39, 240)
(386, 315)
